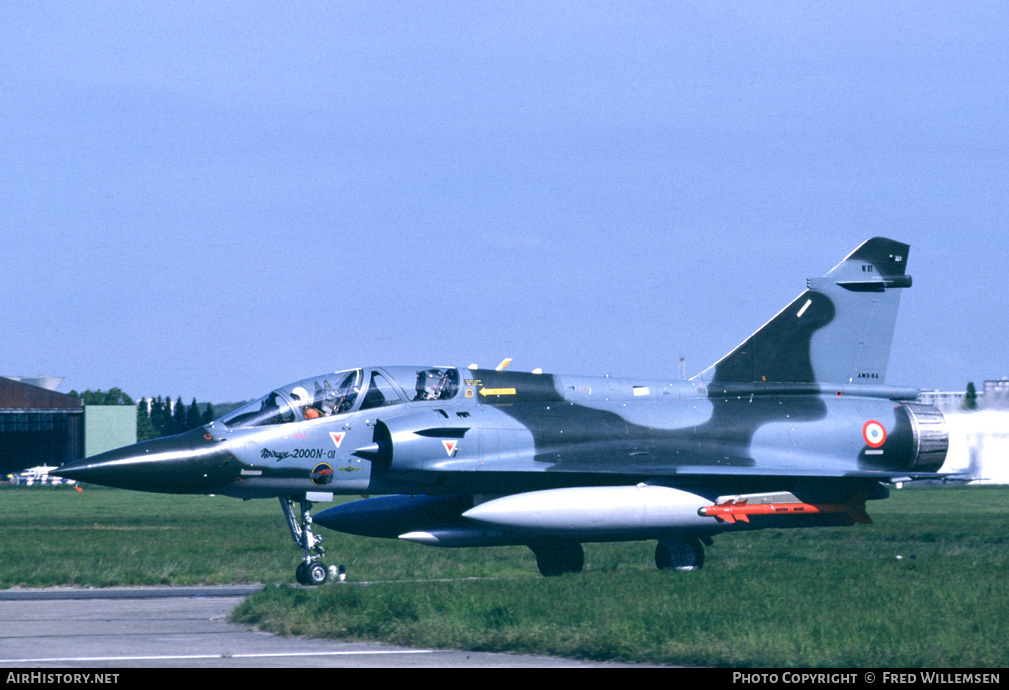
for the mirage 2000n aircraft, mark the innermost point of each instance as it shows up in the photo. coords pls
(793, 428)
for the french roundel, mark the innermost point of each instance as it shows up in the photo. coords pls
(874, 434)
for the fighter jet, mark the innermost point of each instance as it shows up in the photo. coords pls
(795, 427)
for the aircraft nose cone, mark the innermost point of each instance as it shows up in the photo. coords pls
(187, 463)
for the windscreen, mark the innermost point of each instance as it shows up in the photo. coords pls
(270, 409)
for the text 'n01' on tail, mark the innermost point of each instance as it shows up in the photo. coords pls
(838, 331)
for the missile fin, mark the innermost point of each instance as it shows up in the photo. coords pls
(861, 516)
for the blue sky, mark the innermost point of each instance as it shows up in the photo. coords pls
(210, 199)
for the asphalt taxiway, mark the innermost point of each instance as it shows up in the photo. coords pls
(129, 627)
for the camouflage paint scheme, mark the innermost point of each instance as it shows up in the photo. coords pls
(797, 414)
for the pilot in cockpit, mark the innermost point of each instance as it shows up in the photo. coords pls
(304, 402)
(436, 384)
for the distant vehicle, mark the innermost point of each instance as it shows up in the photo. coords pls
(41, 474)
(793, 428)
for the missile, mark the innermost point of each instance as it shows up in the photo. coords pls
(741, 510)
(594, 512)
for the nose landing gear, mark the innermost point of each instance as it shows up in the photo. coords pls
(311, 571)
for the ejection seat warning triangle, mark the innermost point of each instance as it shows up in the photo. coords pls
(337, 437)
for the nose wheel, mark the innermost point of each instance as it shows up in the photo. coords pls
(311, 571)
(311, 574)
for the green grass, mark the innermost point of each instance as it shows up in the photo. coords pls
(813, 597)
(51, 536)
(103, 537)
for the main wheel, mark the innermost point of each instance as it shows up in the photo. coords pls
(559, 558)
(682, 554)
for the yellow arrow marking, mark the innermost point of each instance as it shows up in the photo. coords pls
(497, 391)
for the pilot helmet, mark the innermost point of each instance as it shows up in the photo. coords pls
(300, 396)
(434, 383)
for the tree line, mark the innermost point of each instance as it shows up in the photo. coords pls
(156, 417)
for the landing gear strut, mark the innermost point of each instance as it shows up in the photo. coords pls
(558, 558)
(311, 571)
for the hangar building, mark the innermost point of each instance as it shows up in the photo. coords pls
(39, 426)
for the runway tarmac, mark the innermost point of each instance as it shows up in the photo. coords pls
(130, 627)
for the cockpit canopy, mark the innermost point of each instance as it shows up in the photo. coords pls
(346, 391)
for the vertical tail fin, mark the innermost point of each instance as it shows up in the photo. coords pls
(838, 331)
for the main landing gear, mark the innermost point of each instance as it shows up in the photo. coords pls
(559, 557)
(311, 571)
(680, 553)
(555, 558)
